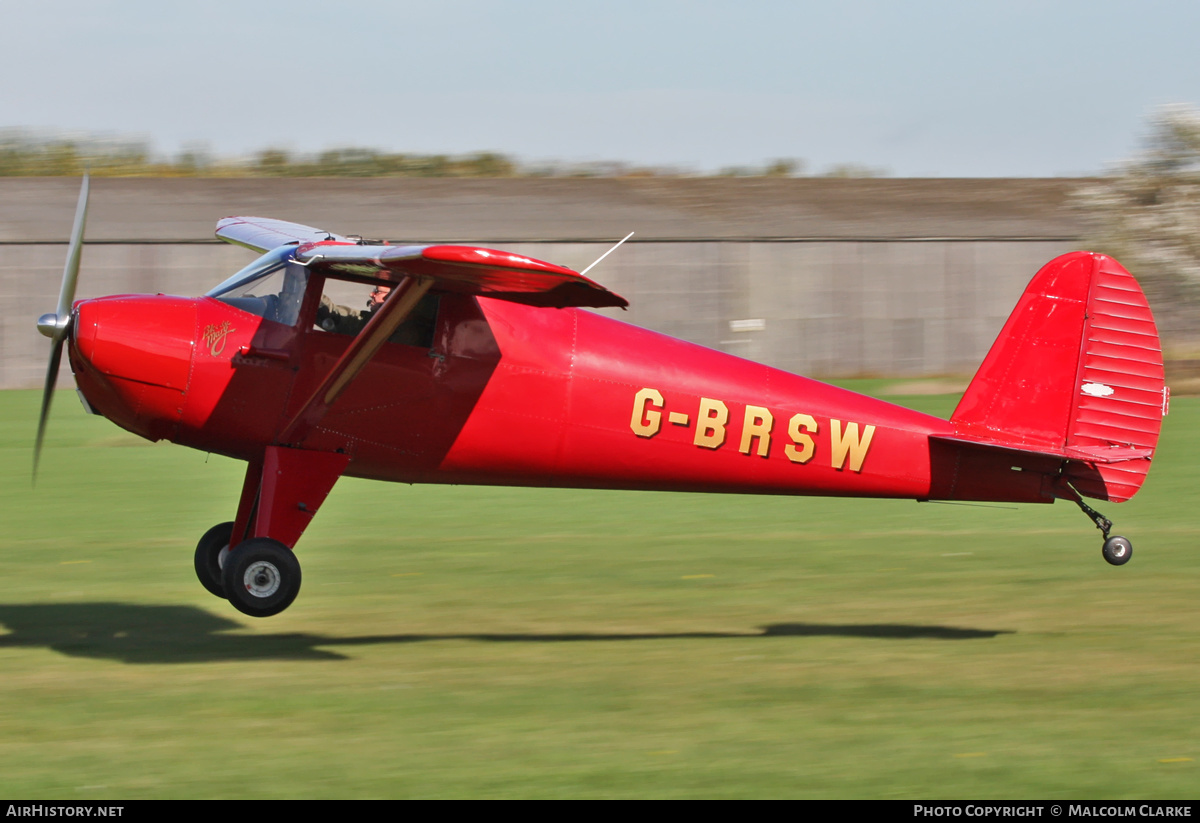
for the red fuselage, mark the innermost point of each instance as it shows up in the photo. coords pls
(515, 395)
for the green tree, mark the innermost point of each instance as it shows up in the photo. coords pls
(1147, 215)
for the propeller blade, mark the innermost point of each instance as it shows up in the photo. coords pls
(57, 326)
(47, 398)
(66, 295)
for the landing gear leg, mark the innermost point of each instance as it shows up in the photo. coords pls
(1117, 549)
(250, 561)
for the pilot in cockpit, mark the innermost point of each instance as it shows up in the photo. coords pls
(345, 320)
(416, 330)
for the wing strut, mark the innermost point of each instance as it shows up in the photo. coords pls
(606, 254)
(398, 305)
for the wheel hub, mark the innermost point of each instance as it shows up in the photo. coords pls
(262, 579)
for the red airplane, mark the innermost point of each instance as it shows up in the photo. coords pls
(480, 367)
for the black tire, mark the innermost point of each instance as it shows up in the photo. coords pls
(208, 557)
(1117, 550)
(261, 577)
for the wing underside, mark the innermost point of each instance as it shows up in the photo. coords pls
(262, 234)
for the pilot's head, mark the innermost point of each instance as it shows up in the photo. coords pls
(375, 300)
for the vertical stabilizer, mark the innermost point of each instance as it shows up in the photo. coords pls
(1077, 370)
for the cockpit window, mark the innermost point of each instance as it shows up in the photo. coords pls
(346, 306)
(271, 287)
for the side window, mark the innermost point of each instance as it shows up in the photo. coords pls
(418, 327)
(346, 307)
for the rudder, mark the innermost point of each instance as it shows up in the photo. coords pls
(1077, 370)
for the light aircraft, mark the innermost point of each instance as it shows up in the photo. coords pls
(480, 367)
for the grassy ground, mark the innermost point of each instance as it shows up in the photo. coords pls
(529, 643)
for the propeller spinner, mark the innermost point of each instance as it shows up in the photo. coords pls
(57, 325)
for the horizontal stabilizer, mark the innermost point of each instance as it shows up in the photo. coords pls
(1084, 454)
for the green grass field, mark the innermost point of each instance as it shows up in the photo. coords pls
(454, 642)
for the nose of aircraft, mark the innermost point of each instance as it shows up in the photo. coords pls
(132, 357)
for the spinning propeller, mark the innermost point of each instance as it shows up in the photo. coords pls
(57, 326)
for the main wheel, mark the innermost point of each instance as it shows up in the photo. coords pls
(211, 552)
(1117, 550)
(261, 577)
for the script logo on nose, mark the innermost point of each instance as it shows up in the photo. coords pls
(214, 337)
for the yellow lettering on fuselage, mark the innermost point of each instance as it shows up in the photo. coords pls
(757, 423)
(646, 418)
(849, 442)
(799, 424)
(710, 426)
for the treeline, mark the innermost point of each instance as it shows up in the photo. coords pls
(25, 156)
(1146, 213)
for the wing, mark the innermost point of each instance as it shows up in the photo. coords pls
(262, 234)
(415, 270)
(467, 270)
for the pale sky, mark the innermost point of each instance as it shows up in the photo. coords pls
(969, 88)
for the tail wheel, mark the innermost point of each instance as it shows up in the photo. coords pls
(211, 552)
(261, 577)
(1117, 550)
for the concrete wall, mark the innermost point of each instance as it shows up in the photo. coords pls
(822, 277)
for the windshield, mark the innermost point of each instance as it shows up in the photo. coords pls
(271, 287)
(271, 261)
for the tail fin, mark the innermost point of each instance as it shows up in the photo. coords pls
(1076, 372)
